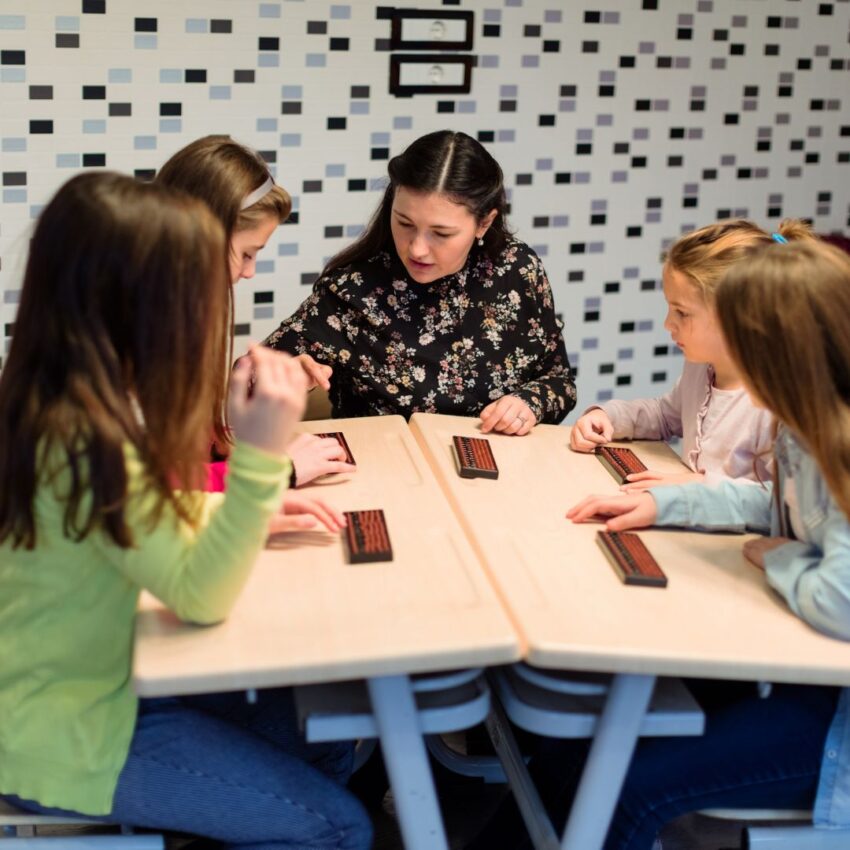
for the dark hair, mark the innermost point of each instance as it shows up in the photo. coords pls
(222, 173)
(451, 164)
(122, 339)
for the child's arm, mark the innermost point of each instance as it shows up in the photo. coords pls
(815, 583)
(639, 419)
(199, 574)
(732, 506)
(647, 418)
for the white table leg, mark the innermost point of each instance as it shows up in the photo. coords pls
(406, 759)
(610, 755)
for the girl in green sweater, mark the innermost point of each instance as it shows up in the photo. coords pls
(118, 362)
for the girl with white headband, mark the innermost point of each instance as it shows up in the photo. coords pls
(235, 184)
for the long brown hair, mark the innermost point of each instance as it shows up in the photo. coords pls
(222, 173)
(449, 163)
(706, 254)
(122, 338)
(785, 314)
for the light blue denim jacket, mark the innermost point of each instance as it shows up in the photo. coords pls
(812, 574)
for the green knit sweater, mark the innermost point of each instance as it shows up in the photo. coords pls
(67, 711)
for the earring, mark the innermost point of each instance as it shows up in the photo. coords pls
(480, 241)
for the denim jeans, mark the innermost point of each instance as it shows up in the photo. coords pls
(240, 773)
(755, 753)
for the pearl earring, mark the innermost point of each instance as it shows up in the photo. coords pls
(480, 241)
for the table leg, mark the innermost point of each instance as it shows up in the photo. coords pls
(610, 755)
(537, 822)
(406, 759)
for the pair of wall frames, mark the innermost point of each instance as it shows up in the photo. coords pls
(430, 72)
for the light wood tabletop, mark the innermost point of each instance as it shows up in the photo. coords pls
(306, 615)
(717, 617)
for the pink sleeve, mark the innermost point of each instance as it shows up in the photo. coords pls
(216, 477)
(647, 418)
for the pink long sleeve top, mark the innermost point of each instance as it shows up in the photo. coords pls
(724, 435)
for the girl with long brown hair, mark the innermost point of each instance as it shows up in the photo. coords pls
(118, 364)
(785, 317)
(235, 183)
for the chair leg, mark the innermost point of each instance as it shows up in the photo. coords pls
(795, 838)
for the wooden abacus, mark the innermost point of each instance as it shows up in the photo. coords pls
(619, 462)
(367, 537)
(474, 458)
(631, 559)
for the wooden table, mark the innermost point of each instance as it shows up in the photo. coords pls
(716, 618)
(307, 616)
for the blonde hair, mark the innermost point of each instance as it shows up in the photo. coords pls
(706, 254)
(785, 314)
(222, 173)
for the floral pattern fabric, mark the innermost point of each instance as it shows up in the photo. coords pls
(451, 346)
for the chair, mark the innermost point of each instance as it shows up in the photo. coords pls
(782, 829)
(21, 829)
(318, 405)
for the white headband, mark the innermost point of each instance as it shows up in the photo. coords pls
(252, 197)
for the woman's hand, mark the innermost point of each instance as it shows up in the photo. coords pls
(591, 430)
(300, 512)
(637, 482)
(314, 456)
(507, 415)
(628, 511)
(267, 396)
(318, 374)
(758, 547)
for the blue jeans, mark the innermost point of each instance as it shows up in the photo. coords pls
(755, 753)
(224, 769)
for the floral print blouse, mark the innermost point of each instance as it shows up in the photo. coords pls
(451, 346)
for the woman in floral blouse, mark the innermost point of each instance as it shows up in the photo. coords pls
(436, 308)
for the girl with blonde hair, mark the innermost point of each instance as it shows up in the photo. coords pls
(723, 434)
(785, 316)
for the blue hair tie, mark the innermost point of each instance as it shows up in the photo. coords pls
(778, 237)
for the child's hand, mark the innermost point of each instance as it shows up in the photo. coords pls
(628, 511)
(637, 482)
(755, 549)
(507, 415)
(268, 394)
(318, 374)
(314, 456)
(592, 430)
(303, 512)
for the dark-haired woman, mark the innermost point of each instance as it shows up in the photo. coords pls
(436, 307)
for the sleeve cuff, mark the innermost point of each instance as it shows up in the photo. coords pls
(671, 506)
(783, 567)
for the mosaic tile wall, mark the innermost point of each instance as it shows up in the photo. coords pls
(619, 124)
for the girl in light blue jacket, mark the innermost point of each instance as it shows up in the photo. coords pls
(785, 314)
